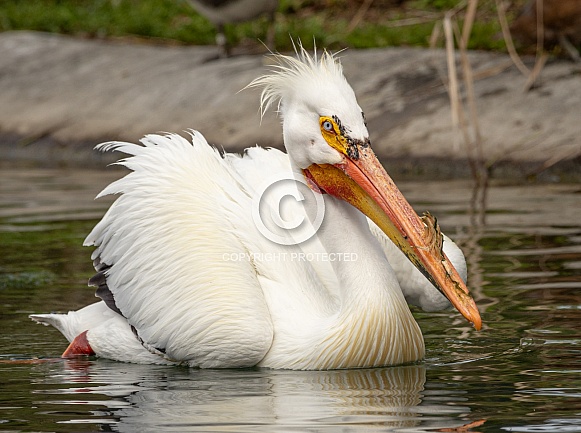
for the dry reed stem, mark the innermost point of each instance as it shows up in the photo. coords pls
(460, 6)
(474, 150)
(500, 9)
(359, 15)
(435, 35)
(539, 65)
(468, 73)
(412, 21)
(468, 79)
(429, 17)
(468, 22)
(492, 71)
(560, 156)
(453, 90)
(470, 131)
(472, 141)
(541, 56)
(540, 29)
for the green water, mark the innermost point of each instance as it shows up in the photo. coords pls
(522, 372)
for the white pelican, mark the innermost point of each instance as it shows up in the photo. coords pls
(173, 295)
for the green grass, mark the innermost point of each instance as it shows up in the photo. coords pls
(378, 35)
(164, 19)
(174, 21)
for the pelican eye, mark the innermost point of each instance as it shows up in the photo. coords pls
(327, 126)
(334, 133)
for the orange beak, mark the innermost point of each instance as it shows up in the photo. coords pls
(364, 183)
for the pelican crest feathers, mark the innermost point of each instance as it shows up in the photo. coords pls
(307, 78)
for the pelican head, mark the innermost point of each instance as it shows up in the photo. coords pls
(326, 136)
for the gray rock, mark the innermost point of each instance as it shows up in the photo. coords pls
(62, 95)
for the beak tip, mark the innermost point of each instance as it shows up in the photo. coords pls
(474, 317)
(467, 308)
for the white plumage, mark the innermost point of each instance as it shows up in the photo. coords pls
(178, 251)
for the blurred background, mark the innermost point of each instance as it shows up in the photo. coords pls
(333, 23)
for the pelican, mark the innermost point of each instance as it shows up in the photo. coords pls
(177, 253)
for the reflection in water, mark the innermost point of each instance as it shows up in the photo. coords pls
(150, 398)
(472, 247)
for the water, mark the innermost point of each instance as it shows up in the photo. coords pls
(521, 373)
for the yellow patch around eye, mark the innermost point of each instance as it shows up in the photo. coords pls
(333, 136)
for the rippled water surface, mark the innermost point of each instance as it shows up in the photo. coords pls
(521, 373)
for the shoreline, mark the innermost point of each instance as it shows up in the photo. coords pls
(63, 95)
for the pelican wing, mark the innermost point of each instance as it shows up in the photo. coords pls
(164, 251)
(259, 164)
